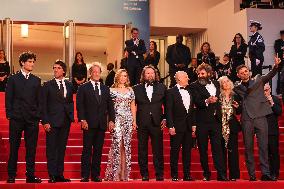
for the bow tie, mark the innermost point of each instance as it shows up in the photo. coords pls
(184, 88)
(149, 84)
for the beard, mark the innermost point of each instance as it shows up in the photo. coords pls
(203, 80)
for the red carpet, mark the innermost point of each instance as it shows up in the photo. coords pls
(73, 155)
(150, 185)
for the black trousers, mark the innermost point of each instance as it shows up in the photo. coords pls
(56, 141)
(210, 131)
(256, 69)
(16, 127)
(156, 135)
(134, 70)
(231, 156)
(93, 140)
(273, 155)
(180, 139)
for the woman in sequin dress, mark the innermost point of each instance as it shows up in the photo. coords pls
(119, 158)
(230, 126)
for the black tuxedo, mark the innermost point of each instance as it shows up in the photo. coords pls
(95, 112)
(149, 117)
(110, 78)
(23, 111)
(273, 137)
(208, 122)
(135, 62)
(58, 111)
(182, 121)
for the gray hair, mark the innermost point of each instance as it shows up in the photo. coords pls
(95, 64)
(221, 79)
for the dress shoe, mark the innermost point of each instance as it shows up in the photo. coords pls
(33, 180)
(84, 179)
(52, 179)
(62, 179)
(252, 178)
(175, 178)
(159, 178)
(222, 178)
(96, 179)
(233, 179)
(267, 178)
(188, 178)
(11, 180)
(206, 178)
(145, 178)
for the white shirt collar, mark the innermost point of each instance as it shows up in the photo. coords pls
(94, 83)
(26, 75)
(58, 80)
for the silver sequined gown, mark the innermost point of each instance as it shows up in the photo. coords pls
(122, 134)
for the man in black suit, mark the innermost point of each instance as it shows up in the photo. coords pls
(208, 122)
(23, 113)
(94, 105)
(180, 120)
(135, 61)
(149, 97)
(57, 115)
(255, 108)
(273, 132)
(110, 77)
(178, 57)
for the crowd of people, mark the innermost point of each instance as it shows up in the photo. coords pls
(202, 102)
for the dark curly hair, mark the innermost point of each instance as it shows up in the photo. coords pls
(25, 56)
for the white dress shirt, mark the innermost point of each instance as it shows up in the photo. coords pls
(211, 89)
(185, 97)
(26, 75)
(94, 85)
(149, 91)
(64, 86)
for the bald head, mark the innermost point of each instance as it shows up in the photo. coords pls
(182, 78)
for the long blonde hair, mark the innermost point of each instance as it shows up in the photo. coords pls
(117, 76)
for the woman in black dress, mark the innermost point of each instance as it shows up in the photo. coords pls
(206, 55)
(153, 57)
(79, 71)
(4, 71)
(229, 107)
(237, 54)
(224, 68)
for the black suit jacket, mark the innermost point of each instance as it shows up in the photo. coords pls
(54, 106)
(176, 113)
(208, 59)
(272, 119)
(139, 50)
(256, 47)
(90, 109)
(178, 54)
(110, 78)
(205, 114)
(22, 97)
(145, 107)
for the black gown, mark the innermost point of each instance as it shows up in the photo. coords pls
(4, 70)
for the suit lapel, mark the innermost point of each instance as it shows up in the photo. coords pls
(179, 98)
(144, 92)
